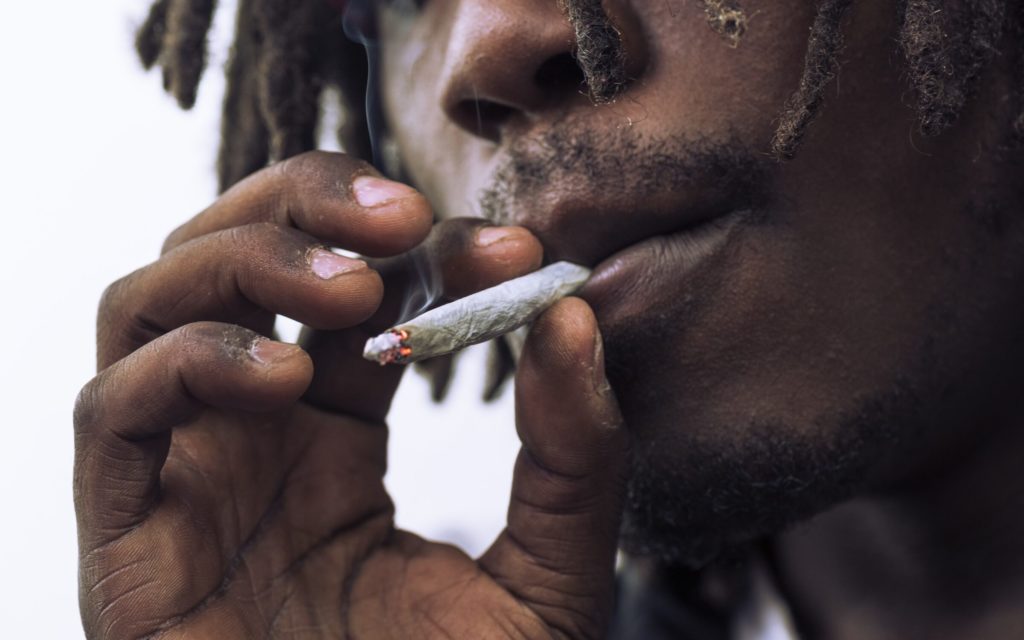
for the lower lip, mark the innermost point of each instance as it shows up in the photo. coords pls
(657, 262)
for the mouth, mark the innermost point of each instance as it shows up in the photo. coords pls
(643, 270)
(644, 212)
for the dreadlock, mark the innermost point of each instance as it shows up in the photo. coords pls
(288, 52)
(727, 19)
(946, 49)
(184, 44)
(947, 44)
(150, 37)
(244, 134)
(285, 54)
(819, 69)
(599, 51)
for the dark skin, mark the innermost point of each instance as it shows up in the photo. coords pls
(868, 296)
(230, 486)
(243, 495)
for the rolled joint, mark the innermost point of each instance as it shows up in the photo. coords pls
(389, 347)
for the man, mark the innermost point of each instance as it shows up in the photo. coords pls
(798, 314)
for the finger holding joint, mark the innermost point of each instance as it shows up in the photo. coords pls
(334, 197)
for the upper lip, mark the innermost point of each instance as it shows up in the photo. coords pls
(588, 232)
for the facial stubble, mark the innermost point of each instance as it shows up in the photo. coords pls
(691, 497)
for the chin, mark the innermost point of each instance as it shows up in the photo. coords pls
(698, 490)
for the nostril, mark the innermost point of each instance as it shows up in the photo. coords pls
(559, 74)
(556, 78)
(483, 117)
(492, 111)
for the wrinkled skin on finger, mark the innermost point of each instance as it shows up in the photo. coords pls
(231, 486)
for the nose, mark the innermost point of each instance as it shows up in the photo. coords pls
(513, 57)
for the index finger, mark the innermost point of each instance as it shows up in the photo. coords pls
(336, 198)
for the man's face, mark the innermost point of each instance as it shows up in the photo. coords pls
(778, 334)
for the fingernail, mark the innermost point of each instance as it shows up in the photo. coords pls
(327, 264)
(486, 236)
(266, 351)
(371, 191)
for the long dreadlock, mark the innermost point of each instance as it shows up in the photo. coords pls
(819, 68)
(599, 52)
(286, 53)
(946, 49)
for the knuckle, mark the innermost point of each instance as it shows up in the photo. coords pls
(122, 318)
(174, 238)
(241, 250)
(88, 406)
(114, 296)
(304, 163)
(257, 235)
(225, 339)
(245, 237)
(319, 172)
(122, 304)
(454, 237)
(121, 325)
(299, 170)
(317, 164)
(252, 244)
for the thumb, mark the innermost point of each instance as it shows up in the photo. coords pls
(557, 552)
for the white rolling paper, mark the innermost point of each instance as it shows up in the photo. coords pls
(477, 318)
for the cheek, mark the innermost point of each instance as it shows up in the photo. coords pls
(435, 154)
(408, 87)
(704, 84)
(697, 85)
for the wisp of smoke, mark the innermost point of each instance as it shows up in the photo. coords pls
(426, 286)
(358, 23)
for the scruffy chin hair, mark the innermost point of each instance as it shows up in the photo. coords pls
(286, 53)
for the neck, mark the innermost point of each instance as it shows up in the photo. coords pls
(943, 559)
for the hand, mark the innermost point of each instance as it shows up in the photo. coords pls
(230, 486)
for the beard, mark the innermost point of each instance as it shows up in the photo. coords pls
(694, 494)
(720, 495)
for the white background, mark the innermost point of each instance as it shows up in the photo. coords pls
(96, 166)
